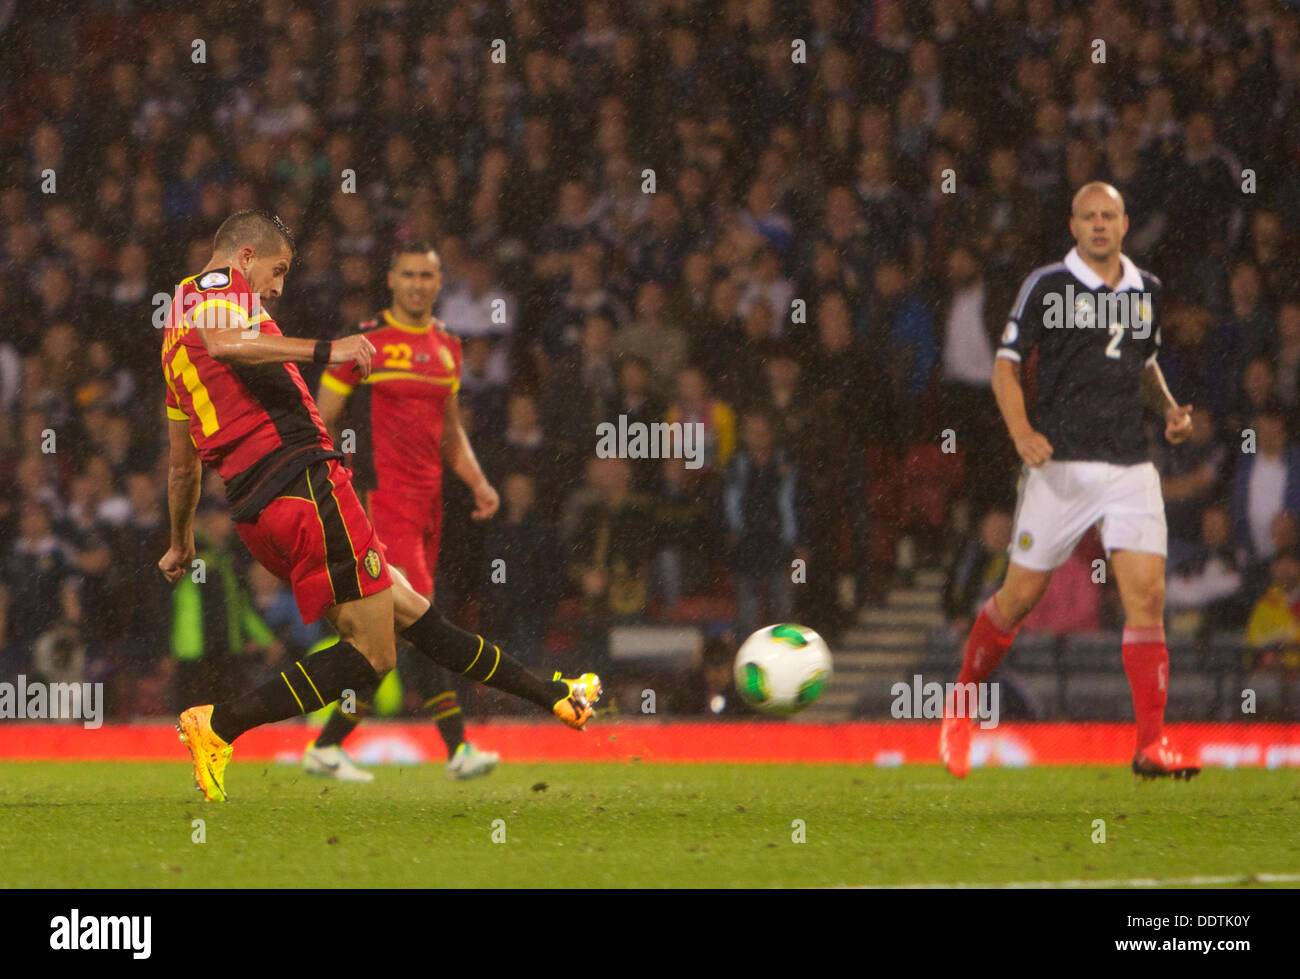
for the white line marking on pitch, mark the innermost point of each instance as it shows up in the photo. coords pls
(1122, 882)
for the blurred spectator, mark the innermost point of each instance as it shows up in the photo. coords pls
(636, 400)
(484, 384)
(653, 338)
(684, 533)
(972, 323)
(1245, 332)
(478, 307)
(1207, 579)
(1191, 475)
(523, 446)
(38, 588)
(901, 330)
(584, 389)
(610, 552)
(521, 583)
(710, 689)
(1267, 482)
(1273, 632)
(696, 406)
(761, 503)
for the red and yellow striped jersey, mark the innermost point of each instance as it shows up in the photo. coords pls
(256, 425)
(398, 410)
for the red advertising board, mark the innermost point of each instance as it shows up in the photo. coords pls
(885, 744)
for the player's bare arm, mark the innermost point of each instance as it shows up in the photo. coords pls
(1155, 391)
(459, 455)
(184, 480)
(1030, 444)
(230, 340)
(331, 405)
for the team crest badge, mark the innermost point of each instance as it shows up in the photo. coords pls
(216, 279)
(1026, 540)
(445, 356)
(371, 563)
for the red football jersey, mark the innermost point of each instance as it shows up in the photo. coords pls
(397, 412)
(256, 425)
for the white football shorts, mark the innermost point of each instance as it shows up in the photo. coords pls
(1059, 501)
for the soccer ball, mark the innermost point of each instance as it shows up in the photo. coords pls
(782, 669)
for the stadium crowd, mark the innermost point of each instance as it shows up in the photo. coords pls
(799, 224)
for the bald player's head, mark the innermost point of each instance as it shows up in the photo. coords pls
(1098, 221)
(1097, 187)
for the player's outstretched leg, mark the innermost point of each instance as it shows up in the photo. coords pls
(325, 756)
(427, 629)
(309, 684)
(473, 656)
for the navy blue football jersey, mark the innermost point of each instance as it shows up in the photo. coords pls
(1093, 344)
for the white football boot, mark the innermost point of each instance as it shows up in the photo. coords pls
(333, 762)
(469, 762)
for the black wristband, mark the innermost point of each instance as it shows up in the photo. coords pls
(321, 355)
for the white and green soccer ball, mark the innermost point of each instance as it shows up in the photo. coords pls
(782, 669)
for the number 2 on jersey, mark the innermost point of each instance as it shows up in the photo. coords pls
(1116, 335)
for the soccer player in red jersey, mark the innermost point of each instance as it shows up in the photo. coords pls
(236, 401)
(1092, 323)
(406, 421)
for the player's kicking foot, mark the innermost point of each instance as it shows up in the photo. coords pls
(333, 762)
(954, 744)
(209, 752)
(469, 762)
(576, 709)
(1159, 760)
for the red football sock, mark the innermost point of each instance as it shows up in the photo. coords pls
(990, 638)
(1146, 661)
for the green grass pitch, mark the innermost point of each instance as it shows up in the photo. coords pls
(131, 825)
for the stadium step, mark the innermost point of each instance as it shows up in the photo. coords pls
(887, 639)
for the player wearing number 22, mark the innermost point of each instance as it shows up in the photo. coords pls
(1089, 329)
(406, 421)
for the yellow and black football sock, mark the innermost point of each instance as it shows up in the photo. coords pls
(308, 685)
(473, 656)
(340, 723)
(446, 713)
